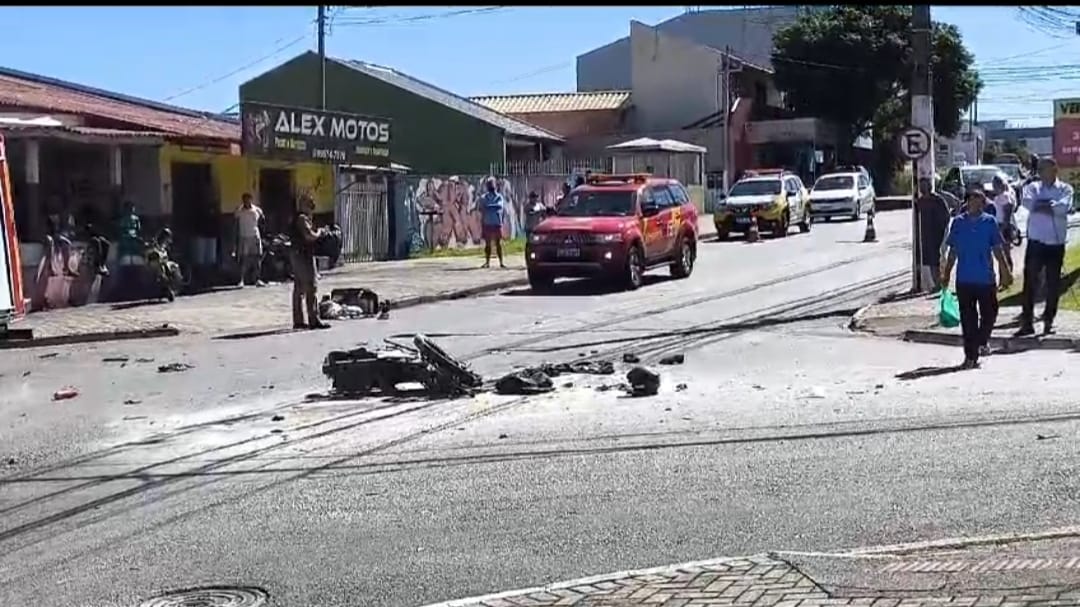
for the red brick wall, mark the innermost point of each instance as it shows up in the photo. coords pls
(575, 124)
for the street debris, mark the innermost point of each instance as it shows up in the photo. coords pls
(1046, 436)
(132, 401)
(361, 372)
(674, 359)
(349, 303)
(277, 418)
(144, 360)
(523, 382)
(174, 367)
(115, 359)
(681, 387)
(49, 355)
(502, 436)
(643, 382)
(815, 392)
(65, 393)
(630, 358)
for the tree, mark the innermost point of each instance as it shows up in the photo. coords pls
(852, 65)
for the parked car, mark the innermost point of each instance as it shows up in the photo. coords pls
(959, 179)
(615, 227)
(842, 195)
(1016, 174)
(777, 198)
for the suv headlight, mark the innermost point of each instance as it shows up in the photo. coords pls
(538, 237)
(605, 238)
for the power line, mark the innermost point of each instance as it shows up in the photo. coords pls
(404, 19)
(283, 45)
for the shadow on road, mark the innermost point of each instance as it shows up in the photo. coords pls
(585, 287)
(922, 372)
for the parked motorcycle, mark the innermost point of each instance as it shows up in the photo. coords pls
(275, 264)
(168, 279)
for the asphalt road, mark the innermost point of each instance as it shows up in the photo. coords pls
(789, 433)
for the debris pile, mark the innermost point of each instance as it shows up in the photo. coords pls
(537, 380)
(643, 382)
(363, 372)
(350, 303)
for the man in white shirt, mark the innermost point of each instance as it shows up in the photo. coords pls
(1004, 206)
(1048, 202)
(249, 240)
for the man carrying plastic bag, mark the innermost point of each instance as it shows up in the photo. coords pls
(974, 241)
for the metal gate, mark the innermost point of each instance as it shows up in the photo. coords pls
(363, 212)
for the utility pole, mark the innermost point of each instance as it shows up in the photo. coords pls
(725, 108)
(321, 19)
(922, 116)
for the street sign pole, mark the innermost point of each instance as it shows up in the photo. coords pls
(922, 117)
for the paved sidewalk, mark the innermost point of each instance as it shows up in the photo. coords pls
(251, 309)
(758, 581)
(914, 318)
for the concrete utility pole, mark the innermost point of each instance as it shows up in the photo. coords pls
(922, 116)
(321, 20)
(725, 108)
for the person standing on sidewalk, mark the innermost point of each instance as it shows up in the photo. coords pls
(1004, 208)
(249, 246)
(302, 237)
(492, 207)
(934, 217)
(1048, 202)
(974, 239)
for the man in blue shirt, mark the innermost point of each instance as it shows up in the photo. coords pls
(974, 239)
(492, 207)
(1048, 201)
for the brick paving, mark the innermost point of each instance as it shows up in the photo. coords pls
(747, 582)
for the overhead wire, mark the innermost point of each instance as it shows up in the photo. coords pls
(407, 19)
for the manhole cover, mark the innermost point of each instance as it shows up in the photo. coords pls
(213, 596)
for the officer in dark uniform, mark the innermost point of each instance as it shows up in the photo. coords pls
(302, 237)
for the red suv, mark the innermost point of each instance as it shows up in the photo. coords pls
(615, 226)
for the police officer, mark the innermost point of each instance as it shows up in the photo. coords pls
(302, 237)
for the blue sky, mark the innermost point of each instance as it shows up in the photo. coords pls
(197, 56)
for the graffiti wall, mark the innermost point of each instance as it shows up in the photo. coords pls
(443, 211)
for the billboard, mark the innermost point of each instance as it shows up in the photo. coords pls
(1067, 141)
(308, 135)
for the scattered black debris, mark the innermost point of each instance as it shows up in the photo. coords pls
(144, 360)
(360, 372)
(49, 355)
(643, 382)
(630, 358)
(525, 381)
(582, 354)
(115, 359)
(580, 367)
(277, 418)
(65, 393)
(174, 368)
(674, 359)
(594, 352)
(131, 418)
(680, 387)
(502, 436)
(132, 401)
(667, 408)
(26, 373)
(11, 461)
(568, 384)
(879, 386)
(276, 431)
(1046, 436)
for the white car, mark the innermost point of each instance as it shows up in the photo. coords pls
(842, 195)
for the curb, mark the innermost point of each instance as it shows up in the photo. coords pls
(856, 318)
(84, 338)
(1004, 344)
(595, 579)
(892, 203)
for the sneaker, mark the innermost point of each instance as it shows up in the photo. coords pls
(984, 350)
(1048, 329)
(298, 326)
(970, 363)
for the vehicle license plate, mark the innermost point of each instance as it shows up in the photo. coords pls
(742, 220)
(568, 252)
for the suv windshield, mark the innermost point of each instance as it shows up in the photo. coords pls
(835, 182)
(1012, 170)
(758, 187)
(979, 176)
(593, 203)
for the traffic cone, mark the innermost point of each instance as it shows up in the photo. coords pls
(871, 234)
(752, 234)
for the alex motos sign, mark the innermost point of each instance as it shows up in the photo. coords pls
(298, 134)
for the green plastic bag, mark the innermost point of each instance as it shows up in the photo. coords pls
(948, 309)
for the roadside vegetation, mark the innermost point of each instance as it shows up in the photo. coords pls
(515, 246)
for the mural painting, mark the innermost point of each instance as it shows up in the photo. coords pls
(443, 210)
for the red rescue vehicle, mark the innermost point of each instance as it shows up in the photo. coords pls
(615, 227)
